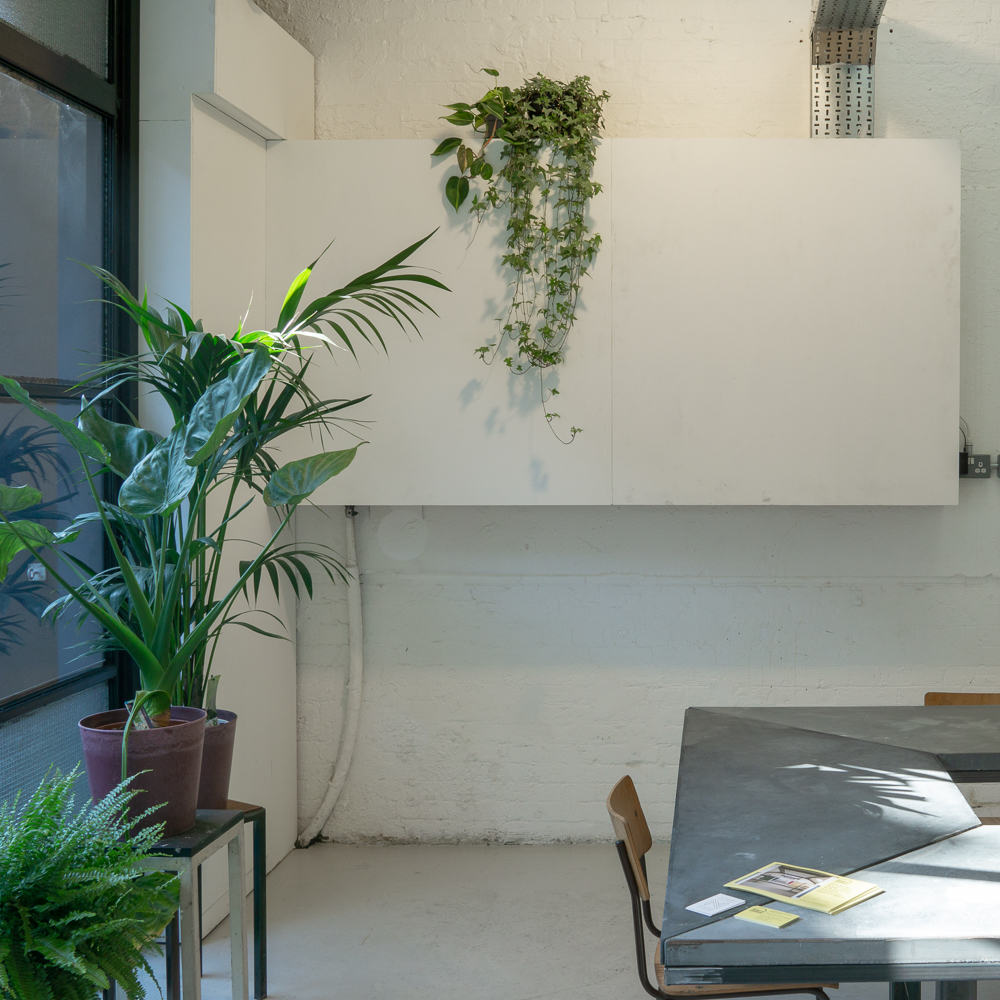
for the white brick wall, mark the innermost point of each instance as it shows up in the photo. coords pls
(528, 657)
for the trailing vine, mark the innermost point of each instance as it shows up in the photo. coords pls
(549, 132)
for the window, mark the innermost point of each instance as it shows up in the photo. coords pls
(68, 194)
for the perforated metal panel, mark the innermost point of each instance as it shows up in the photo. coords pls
(843, 101)
(34, 742)
(848, 13)
(843, 67)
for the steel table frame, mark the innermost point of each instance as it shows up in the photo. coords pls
(227, 832)
(944, 744)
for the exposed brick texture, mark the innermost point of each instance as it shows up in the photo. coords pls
(528, 657)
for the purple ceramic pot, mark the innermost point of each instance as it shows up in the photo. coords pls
(171, 755)
(217, 762)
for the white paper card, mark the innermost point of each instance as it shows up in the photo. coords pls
(715, 904)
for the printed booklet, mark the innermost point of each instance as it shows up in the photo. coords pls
(806, 887)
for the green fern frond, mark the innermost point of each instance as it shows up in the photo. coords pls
(76, 910)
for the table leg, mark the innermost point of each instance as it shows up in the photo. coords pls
(964, 989)
(237, 918)
(190, 934)
(904, 991)
(201, 916)
(260, 907)
(172, 957)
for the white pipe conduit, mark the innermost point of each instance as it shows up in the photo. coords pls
(349, 737)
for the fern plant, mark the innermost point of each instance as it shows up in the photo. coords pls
(75, 909)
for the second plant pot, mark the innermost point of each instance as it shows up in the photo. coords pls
(171, 755)
(217, 762)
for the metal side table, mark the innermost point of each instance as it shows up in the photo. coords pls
(184, 854)
(257, 816)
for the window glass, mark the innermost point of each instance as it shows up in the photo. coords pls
(74, 28)
(34, 651)
(52, 167)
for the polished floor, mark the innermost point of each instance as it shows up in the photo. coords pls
(455, 923)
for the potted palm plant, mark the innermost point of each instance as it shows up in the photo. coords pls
(76, 910)
(162, 600)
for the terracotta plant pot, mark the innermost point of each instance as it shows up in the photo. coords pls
(171, 755)
(217, 763)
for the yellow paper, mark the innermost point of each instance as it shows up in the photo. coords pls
(806, 887)
(765, 915)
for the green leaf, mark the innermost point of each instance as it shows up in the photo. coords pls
(294, 295)
(492, 72)
(475, 168)
(79, 441)
(216, 412)
(463, 156)
(487, 171)
(161, 480)
(447, 146)
(21, 535)
(492, 108)
(11, 540)
(456, 190)
(460, 118)
(125, 445)
(14, 498)
(292, 483)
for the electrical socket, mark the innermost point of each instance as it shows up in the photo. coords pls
(978, 467)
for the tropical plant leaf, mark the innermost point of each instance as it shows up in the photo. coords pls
(21, 536)
(293, 482)
(126, 446)
(15, 498)
(81, 442)
(456, 190)
(215, 413)
(460, 118)
(447, 146)
(161, 480)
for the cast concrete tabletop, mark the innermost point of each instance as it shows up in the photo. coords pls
(868, 792)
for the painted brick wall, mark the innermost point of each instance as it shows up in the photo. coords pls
(526, 658)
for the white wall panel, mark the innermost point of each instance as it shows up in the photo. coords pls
(786, 321)
(446, 429)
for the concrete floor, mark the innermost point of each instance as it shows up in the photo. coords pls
(454, 923)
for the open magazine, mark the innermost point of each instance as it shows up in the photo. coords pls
(806, 887)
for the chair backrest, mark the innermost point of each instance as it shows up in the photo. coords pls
(951, 698)
(630, 826)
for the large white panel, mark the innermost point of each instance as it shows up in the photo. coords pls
(446, 429)
(786, 321)
(263, 77)
(228, 170)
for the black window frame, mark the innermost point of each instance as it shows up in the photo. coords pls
(116, 99)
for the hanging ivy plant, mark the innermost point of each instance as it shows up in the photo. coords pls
(549, 132)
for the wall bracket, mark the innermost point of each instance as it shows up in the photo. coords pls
(843, 67)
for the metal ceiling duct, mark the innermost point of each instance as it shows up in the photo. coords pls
(843, 67)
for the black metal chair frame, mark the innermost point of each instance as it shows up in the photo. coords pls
(641, 913)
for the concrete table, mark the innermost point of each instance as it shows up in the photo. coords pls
(854, 791)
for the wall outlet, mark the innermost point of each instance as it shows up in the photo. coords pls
(978, 467)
